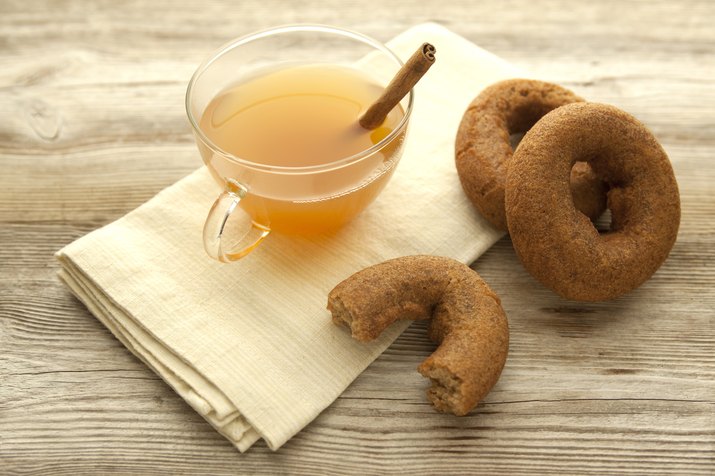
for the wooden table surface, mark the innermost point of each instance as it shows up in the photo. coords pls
(91, 95)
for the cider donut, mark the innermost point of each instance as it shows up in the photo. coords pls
(468, 321)
(558, 245)
(483, 150)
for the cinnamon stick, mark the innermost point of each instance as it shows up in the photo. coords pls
(401, 84)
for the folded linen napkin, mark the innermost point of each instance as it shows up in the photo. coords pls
(250, 345)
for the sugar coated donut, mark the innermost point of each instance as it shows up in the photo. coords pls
(468, 321)
(558, 245)
(483, 150)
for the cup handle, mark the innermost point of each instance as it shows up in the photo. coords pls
(245, 234)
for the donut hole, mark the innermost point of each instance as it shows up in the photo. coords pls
(588, 192)
(515, 138)
(603, 223)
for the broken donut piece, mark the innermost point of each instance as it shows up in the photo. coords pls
(467, 321)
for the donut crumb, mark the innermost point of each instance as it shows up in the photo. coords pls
(341, 315)
(445, 392)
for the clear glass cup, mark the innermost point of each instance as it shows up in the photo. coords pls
(259, 198)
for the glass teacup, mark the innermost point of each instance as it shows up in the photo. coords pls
(283, 193)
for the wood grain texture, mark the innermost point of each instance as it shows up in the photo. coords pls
(93, 125)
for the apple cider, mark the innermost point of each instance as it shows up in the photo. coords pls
(302, 121)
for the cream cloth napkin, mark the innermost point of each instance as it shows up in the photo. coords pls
(250, 345)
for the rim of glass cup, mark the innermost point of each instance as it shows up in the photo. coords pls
(282, 29)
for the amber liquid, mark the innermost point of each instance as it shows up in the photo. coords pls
(304, 116)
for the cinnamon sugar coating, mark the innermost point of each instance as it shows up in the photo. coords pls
(468, 321)
(556, 243)
(483, 150)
